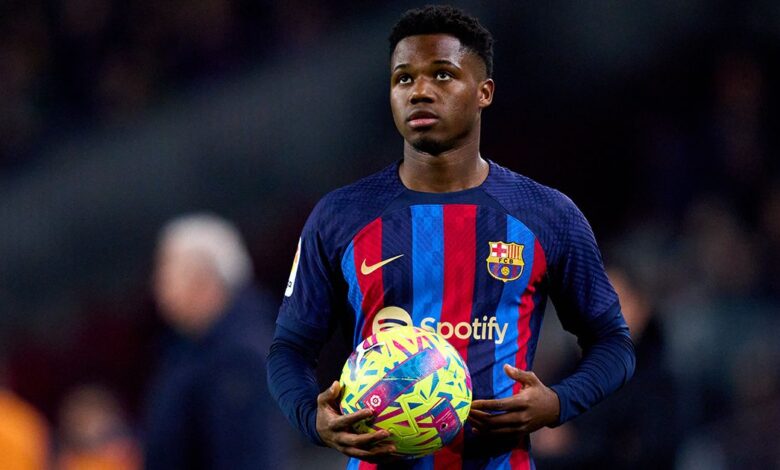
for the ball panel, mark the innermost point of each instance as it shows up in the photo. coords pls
(417, 384)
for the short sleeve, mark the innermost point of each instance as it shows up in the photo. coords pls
(579, 285)
(309, 297)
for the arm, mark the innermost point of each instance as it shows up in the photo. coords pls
(588, 307)
(607, 364)
(291, 364)
(305, 320)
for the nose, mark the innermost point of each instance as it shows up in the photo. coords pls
(421, 92)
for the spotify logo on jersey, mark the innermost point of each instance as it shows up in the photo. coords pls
(389, 317)
(485, 328)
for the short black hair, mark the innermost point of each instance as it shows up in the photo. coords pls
(444, 19)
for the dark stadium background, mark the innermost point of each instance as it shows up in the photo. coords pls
(659, 119)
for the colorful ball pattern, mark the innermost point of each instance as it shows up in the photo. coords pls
(417, 384)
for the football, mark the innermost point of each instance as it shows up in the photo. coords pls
(415, 382)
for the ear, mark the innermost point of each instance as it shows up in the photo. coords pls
(486, 90)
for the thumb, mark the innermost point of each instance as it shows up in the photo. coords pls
(331, 394)
(527, 378)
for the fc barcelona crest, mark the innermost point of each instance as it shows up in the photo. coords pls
(505, 261)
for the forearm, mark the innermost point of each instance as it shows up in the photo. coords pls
(607, 364)
(292, 381)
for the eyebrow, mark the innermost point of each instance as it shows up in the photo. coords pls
(446, 62)
(437, 62)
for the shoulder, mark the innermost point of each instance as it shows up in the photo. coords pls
(525, 198)
(341, 212)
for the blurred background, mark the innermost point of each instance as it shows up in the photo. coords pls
(659, 119)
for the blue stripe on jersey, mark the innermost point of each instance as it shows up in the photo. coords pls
(427, 274)
(427, 262)
(353, 464)
(354, 295)
(491, 226)
(397, 240)
(508, 310)
(499, 463)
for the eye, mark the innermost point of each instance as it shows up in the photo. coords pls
(404, 79)
(443, 75)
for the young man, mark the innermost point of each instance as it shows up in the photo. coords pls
(455, 243)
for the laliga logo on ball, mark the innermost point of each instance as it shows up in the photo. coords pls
(375, 401)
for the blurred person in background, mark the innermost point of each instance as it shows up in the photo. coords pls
(24, 433)
(639, 428)
(208, 406)
(94, 434)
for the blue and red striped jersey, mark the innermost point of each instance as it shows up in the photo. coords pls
(476, 266)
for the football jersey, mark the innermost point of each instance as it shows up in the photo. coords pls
(475, 266)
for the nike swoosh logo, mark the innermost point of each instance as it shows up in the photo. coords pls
(366, 270)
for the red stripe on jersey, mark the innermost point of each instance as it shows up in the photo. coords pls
(367, 466)
(460, 244)
(519, 460)
(538, 270)
(368, 252)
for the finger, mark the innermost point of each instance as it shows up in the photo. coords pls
(479, 416)
(377, 454)
(513, 419)
(364, 441)
(330, 395)
(527, 378)
(482, 415)
(502, 404)
(348, 420)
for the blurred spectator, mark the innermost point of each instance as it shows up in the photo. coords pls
(770, 230)
(735, 161)
(712, 229)
(208, 405)
(637, 428)
(24, 441)
(93, 433)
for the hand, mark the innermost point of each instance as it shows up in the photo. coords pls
(533, 407)
(336, 430)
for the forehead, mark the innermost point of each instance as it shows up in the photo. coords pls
(426, 48)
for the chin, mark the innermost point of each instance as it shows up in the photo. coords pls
(430, 146)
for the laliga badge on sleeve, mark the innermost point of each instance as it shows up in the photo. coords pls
(291, 282)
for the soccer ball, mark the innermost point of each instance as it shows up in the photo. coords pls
(415, 382)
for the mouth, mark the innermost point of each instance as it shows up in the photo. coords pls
(419, 119)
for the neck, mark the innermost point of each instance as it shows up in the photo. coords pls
(453, 170)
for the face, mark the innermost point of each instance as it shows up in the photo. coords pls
(437, 92)
(186, 289)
